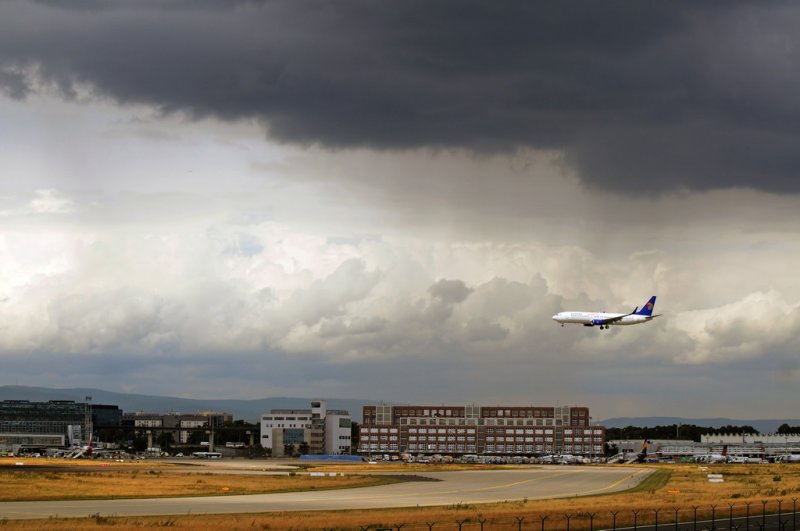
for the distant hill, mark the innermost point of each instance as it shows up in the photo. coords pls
(762, 425)
(249, 410)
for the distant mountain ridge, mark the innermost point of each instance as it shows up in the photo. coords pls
(249, 410)
(762, 425)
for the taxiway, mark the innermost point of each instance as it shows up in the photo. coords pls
(473, 486)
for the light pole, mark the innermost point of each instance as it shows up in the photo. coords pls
(87, 414)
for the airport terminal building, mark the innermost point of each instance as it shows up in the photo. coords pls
(480, 430)
(732, 446)
(57, 423)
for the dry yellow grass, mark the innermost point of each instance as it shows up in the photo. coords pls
(38, 484)
(673, 486)
(90, 463)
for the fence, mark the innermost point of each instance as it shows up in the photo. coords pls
(766, 515)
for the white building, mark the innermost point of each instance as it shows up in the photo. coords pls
(187, 421)
(324, 431)
(337, 433)
(747, 438)
(147, 420)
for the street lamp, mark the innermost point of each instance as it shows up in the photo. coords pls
(88, 420)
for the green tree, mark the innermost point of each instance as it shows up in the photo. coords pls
(196, 437)
(687, 431)
(139, 443)
(735, 429)
(355, 436)
(235, 431)
(165, 441)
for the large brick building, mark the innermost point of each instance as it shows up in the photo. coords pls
(472, 429)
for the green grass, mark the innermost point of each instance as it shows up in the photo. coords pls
(655, 481)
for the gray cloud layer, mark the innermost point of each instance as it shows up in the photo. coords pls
(194, 256)
(641, 97)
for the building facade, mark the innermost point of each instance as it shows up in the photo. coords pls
(324, 431)
(180, 425)
(750, 438)
(57, 423)
(472, 429)
(766, 446)
(191, 422)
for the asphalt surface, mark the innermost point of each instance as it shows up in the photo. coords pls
(473, 486)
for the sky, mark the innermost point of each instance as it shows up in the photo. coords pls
(389, 201)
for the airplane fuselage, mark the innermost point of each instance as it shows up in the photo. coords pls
(603, 319)
(597, 318)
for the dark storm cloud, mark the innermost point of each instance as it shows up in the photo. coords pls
(640, 96)
(13, 84)
(450, 291)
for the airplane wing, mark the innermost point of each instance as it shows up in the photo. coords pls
(615, 319)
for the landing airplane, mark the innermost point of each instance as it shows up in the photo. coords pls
(603, 320)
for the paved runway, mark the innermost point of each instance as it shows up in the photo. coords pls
(478, 486)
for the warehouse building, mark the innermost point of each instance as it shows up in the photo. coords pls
(480, 430)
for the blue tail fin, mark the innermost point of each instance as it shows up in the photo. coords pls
(647, 309)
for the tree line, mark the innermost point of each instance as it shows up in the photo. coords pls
(676, 431)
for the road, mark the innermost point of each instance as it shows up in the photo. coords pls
(473, 486)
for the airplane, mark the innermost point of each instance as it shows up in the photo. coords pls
(641, 457)
(712, 458)
(603, 320)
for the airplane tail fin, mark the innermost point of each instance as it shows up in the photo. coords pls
(642, 455)
(647, 309)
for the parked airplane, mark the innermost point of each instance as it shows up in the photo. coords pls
(712, 457)
(603, 320)
(641, 457)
